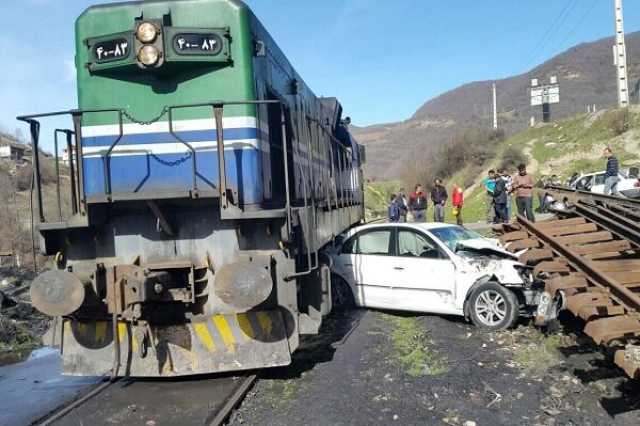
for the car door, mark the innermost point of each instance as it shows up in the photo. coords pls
(366, 262)
(584, 183)
(598, 184)
(425, 275)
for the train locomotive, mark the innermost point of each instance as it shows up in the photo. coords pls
(205, 180)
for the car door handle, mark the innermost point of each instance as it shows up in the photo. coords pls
(399, 268)
(348, 264)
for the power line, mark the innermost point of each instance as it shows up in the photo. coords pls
(557, 23)
(584, 16)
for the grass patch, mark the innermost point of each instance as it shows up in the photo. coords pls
(16, 337)
(412, 348)
(534, 351)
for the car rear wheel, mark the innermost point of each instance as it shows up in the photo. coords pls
(493, 307)
(341, 294)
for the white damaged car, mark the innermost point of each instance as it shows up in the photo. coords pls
(435, 268)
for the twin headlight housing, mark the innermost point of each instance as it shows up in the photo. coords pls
(149, 44)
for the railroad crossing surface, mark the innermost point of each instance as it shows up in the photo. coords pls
(457, 376)
(366, 367)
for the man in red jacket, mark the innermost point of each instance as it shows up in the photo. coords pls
(457, 200)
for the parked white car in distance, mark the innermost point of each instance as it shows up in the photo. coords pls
(432, 268)
(594, 182)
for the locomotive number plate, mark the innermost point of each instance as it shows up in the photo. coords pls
(111, 50)
(197, 44)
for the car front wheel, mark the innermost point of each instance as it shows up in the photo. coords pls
(341, 294)
(493, 307)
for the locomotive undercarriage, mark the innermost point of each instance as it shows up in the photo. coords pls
(191, 303)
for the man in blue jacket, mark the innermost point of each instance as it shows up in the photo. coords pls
(393, 209)
(489, 184)
(612, 175)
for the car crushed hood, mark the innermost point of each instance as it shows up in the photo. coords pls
(485, 247)
(486, 257)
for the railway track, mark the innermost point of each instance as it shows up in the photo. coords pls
(197, 401)
(590, 257)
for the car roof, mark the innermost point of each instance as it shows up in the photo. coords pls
(424, 226)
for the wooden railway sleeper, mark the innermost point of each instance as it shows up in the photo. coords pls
(533, 256)
(620, 327)
(629, 360)
(550, 267)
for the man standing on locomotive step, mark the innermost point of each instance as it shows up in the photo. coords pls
(439, 197)
(612, 174)
(523, 187)
(418, 204)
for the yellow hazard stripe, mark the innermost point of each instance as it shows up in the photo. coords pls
(203, 334)
(123, 335)
(101, 331)
(225, 331)
(245, 326)
(265, 323)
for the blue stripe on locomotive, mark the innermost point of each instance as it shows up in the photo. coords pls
(166, 172)
(162, 137)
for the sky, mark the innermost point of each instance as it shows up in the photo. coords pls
(383, 59)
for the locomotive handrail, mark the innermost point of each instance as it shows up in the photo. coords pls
(72, 176)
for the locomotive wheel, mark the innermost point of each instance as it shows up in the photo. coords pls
(341, 294)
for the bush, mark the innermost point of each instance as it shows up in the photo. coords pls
(618, 121)
(47, 173)
(512, 157)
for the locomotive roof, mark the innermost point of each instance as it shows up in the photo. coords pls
(141, 2)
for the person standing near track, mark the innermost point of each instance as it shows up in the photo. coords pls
(418, 204)
(523, 188)
(500, 199)
(489, 186)
(393, 211)
(509, 182)
(439, 197)
(457, 201)
(612, 175)
(401, 199)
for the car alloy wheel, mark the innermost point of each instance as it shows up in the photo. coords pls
(491, 308)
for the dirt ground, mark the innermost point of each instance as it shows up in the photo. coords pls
(427, 370)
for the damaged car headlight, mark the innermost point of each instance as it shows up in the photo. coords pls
(525, 273)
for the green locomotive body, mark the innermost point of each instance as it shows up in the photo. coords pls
(206, 178)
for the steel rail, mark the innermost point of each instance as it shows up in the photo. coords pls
(587, 195)
(625, 295)
(219, 417)
(618, 225)
(67, 408)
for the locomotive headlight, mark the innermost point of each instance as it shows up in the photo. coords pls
(149, 56)
(147, 32)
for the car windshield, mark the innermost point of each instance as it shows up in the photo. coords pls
(452, 235)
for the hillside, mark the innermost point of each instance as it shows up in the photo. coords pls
(586, 77)
(562, 148)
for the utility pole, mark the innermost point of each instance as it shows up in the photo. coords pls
(495, 108)
(620, 58)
